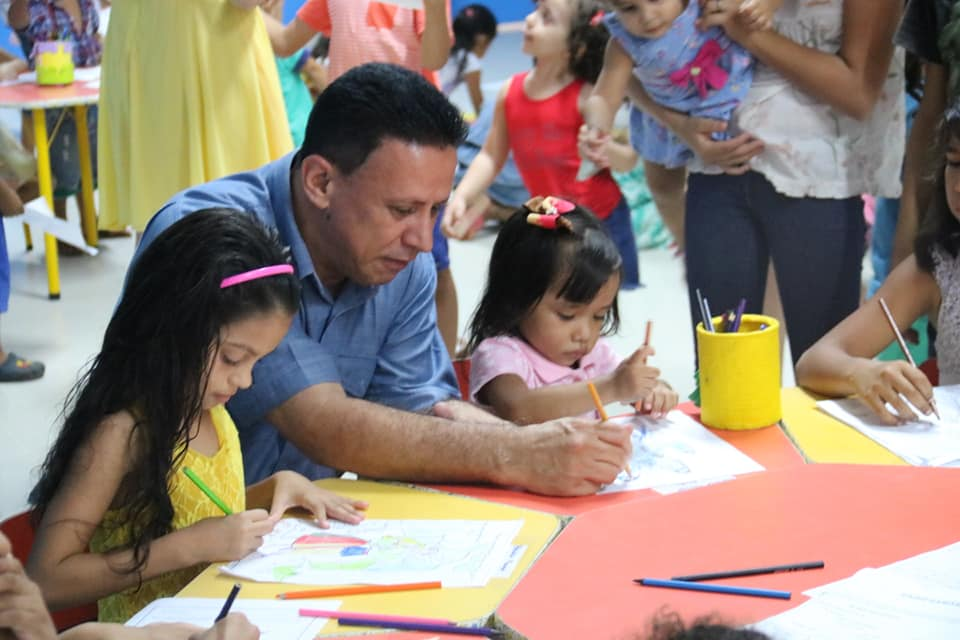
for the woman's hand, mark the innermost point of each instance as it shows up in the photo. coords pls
(880, 383)
(733, 155)
(292, 490)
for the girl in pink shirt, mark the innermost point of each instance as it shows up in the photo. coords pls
(535, 338)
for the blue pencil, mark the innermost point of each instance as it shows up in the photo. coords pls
(713, 588)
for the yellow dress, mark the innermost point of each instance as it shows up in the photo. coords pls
(222, 473)
(189, 93)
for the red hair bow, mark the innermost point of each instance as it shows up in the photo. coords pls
(703, 72)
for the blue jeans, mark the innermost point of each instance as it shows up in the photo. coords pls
(736, 224)
(620, 228)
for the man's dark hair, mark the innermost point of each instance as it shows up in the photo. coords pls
(373, 102)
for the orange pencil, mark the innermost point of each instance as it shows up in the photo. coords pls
(646, 338)
(603, 412)
(597, 403)
(358, 590)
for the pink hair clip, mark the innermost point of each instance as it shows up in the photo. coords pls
(597, 18)
(546, 212)
(256, 274)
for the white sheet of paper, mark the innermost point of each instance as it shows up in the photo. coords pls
(39, 216)
(871, 606)
(276, 619)
(926, 442)
(459, 553)
(676, 450)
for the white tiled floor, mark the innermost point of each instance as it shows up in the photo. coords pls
(65, 334)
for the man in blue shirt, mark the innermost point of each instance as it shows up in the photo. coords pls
(362, 381)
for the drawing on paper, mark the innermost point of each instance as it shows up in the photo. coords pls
(380, 552)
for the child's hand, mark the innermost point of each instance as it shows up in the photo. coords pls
(879, 383)
(455, 223)
(662, 400)
(23, 613)
(592, 144)
(234, 627)
(717, 13)
(757, 15)
(293, 490)
(633, 379)
(230, 537)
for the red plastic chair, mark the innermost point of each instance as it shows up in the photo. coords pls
(19, 529)
(462, 369)
(931, 370)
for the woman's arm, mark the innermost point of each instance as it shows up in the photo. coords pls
(851, 79)
(841, 363)
(436, 40)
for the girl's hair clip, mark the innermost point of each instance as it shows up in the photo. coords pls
(256, 274)
(597, 18)
(547, 212)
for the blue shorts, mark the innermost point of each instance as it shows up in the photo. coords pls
(65, 152)
(441, 249)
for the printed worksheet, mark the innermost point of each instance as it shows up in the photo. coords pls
(459, 553)
(925, 442)
(276, 619)
(676, 450)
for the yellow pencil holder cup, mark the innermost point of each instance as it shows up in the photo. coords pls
(740, 374)
(54, 62)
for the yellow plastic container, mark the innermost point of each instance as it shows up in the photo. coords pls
(54, 62)
(740, 374)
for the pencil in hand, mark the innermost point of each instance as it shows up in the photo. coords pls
(602, 412)
(904, 348)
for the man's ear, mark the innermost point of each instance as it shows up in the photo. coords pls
(317, 174)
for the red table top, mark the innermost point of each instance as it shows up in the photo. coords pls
(27, 95)
(849, 516)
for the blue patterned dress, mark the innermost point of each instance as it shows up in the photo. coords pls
(702, 73)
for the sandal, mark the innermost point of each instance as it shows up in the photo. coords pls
(17, 369)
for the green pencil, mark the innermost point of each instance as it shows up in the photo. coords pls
(210, 494)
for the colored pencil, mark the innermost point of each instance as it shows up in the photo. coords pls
(413, 626)
(646, 337)
(713, 588)
(229, 603)
(336, 615)
(741, 307)
(597, 402)
(704, 316)
(737, 573)
(358, 590)
(206, 490)
(708, 321)
(904, 348)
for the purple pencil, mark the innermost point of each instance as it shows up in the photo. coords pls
(741, 307)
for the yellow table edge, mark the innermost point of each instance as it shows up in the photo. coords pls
(821, 438)
(393, 501)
